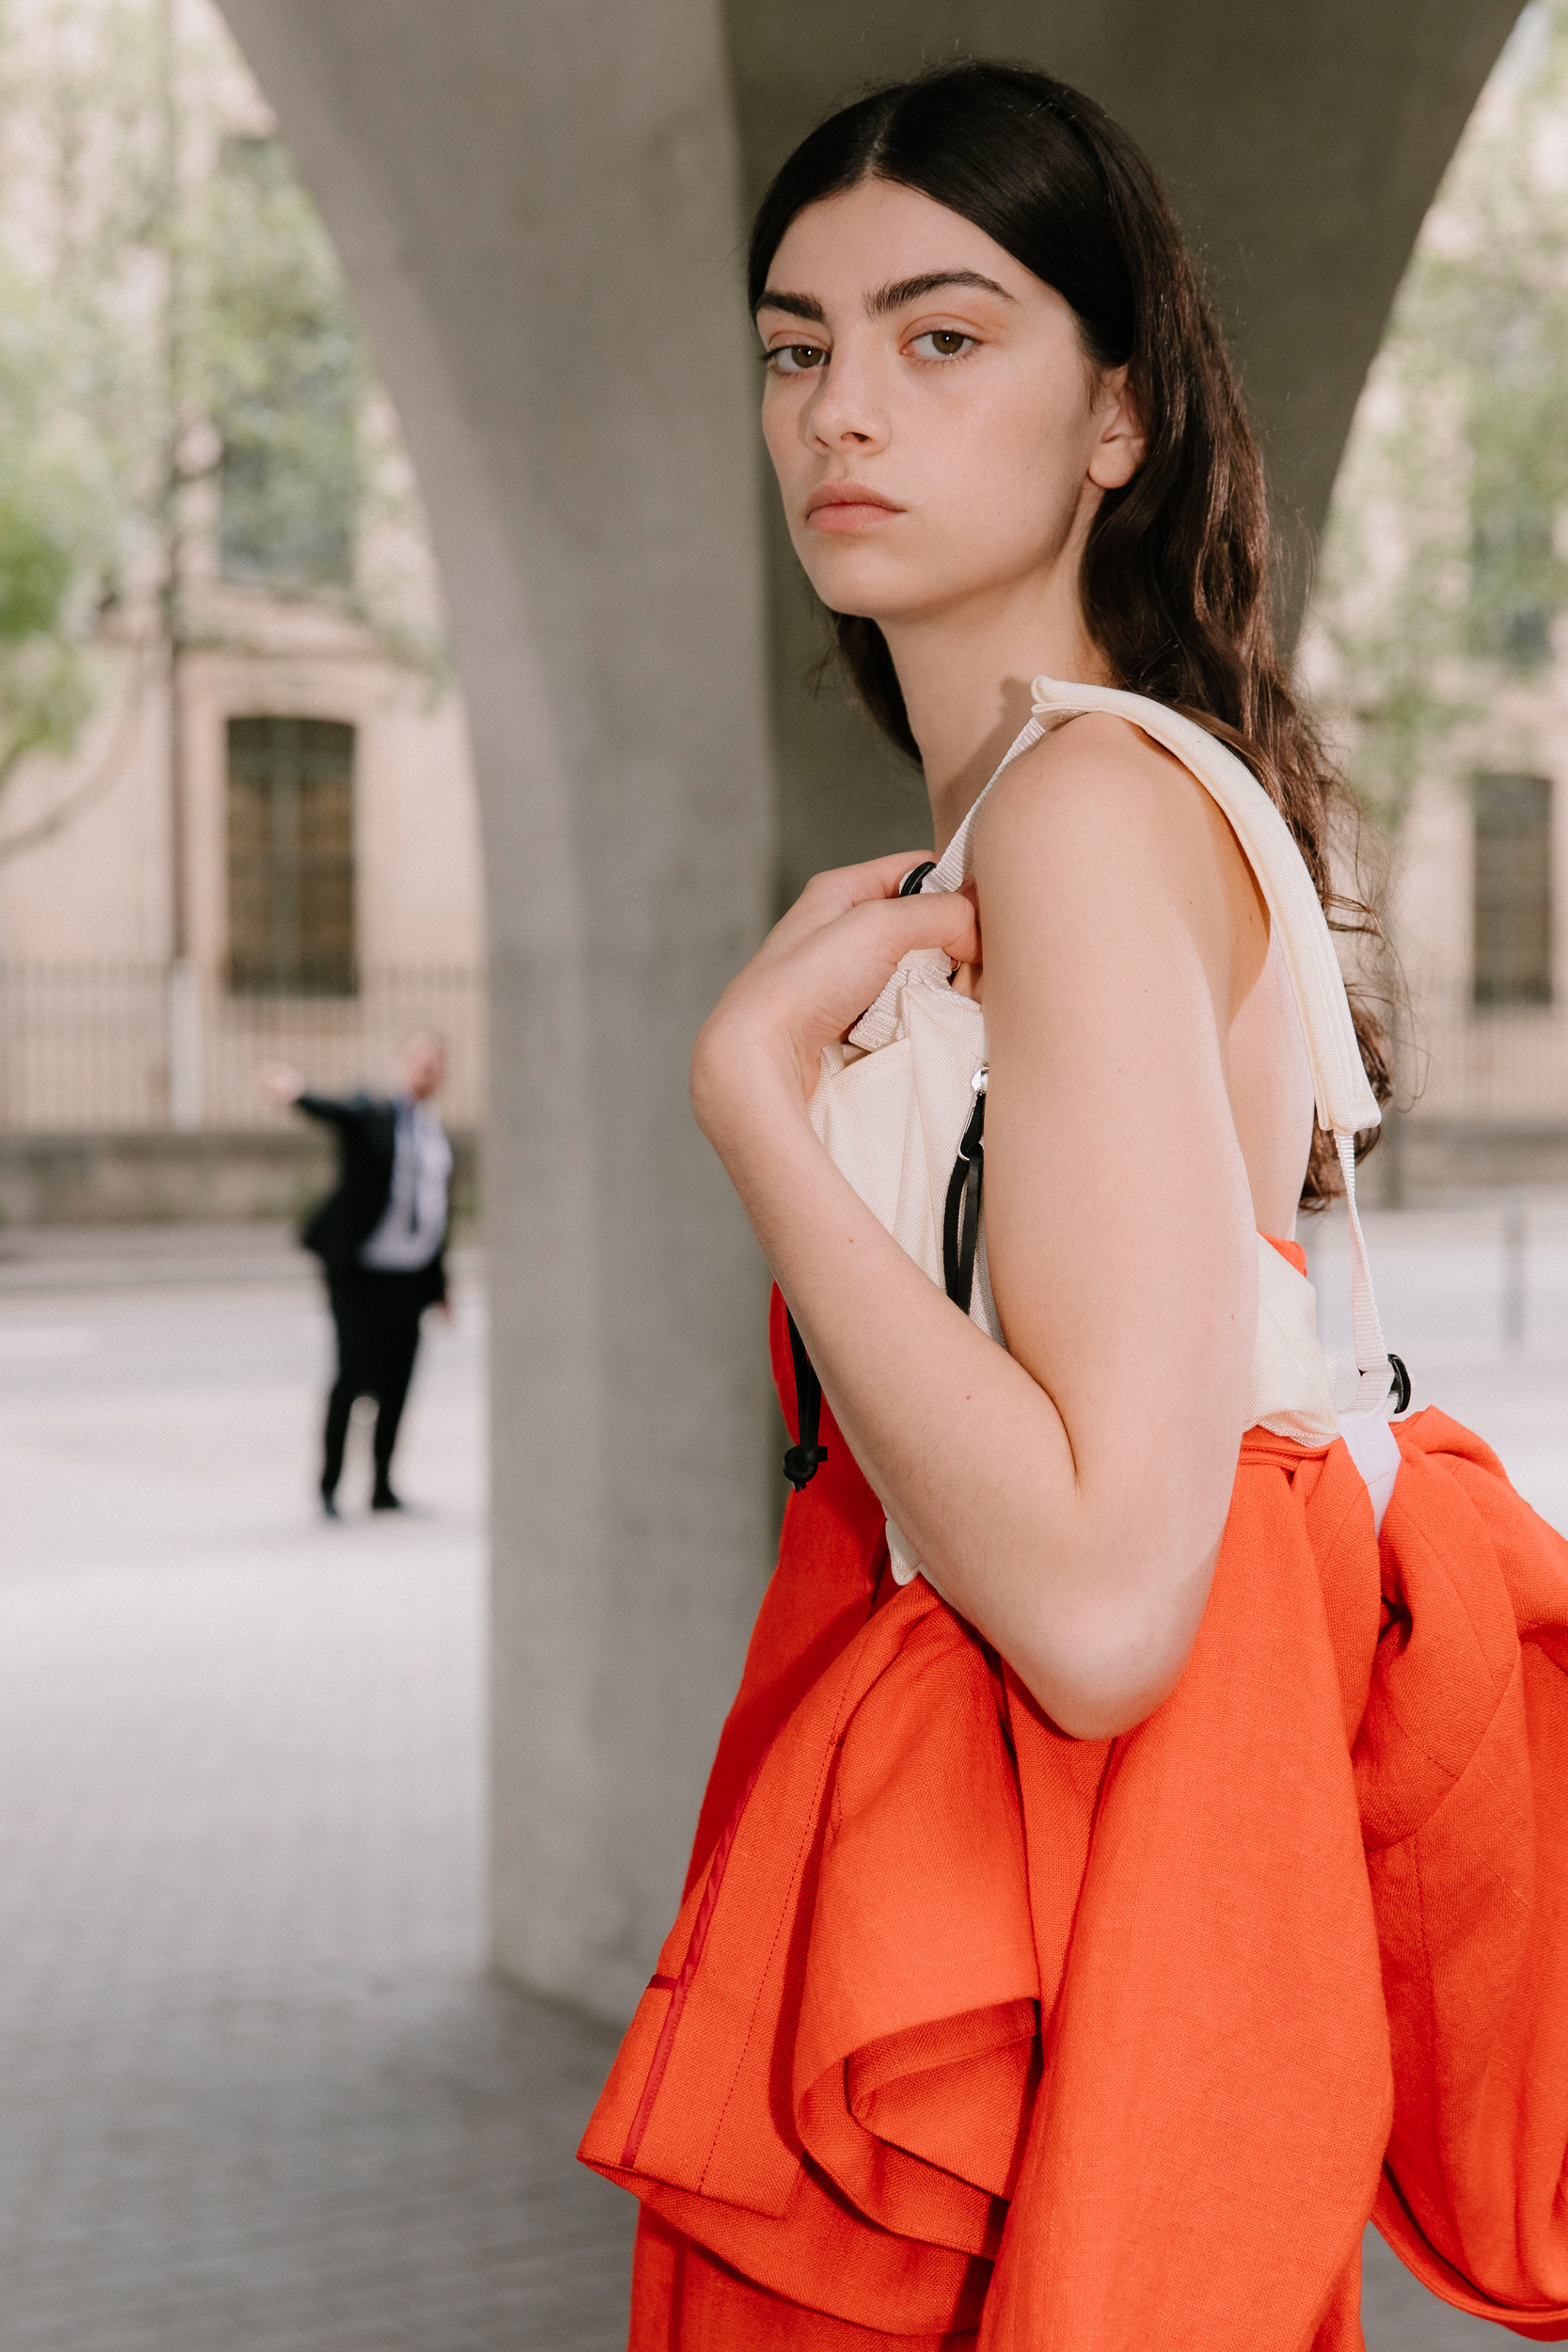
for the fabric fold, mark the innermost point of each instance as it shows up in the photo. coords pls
(985, 2036)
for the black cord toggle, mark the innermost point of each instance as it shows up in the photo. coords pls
(960, 1223)
(804, 1459)
(802, 1464)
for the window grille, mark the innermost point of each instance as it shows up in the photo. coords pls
(291, 858)
(1513, 890)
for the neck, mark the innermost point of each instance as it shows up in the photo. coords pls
(966, 672)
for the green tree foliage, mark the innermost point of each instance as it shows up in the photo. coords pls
(285, 376)
(59, 512)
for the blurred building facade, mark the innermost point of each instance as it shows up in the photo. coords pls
(255, 835)
(1437, 639)
(1481, 890)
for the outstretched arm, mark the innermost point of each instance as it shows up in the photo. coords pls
(282, 1083)
(1068, 1494)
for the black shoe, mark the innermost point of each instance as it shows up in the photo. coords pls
(384, 1500)
(329, 1505)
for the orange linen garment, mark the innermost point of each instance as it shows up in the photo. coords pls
(971, 2034)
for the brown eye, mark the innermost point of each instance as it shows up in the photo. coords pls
(795, 358)
(943, 342)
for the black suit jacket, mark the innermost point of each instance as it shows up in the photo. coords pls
(367, 1146)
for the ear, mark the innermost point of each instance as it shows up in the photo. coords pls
(1122, 443)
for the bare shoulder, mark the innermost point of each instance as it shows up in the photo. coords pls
(1094, 785)
(1117, 848)
(1098, 805)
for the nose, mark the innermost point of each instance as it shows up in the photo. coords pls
(849, 412)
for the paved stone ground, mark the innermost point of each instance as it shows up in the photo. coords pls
(256, 2093)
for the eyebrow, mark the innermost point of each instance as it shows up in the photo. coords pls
(886, 299)
(795, 306)
(905, 290)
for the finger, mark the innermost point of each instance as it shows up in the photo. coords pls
(876, 878)
(936, 918)
(833, 892)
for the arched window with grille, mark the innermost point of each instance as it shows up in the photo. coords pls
(291, 858)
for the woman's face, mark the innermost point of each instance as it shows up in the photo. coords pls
(937, 430)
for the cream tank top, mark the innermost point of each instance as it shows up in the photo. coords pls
(896, 1102)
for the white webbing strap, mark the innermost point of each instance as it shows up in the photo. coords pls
(950, 871)
(879, 1022)
(1376, 1384)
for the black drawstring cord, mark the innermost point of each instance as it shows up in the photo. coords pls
(960, 1223)
(803, 1461)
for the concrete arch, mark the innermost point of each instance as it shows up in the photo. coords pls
(537, 205)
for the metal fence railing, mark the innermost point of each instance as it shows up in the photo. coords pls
(108, 1046)
(1503, 1066)
(127, 1046)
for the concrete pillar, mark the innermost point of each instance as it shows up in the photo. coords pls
(535, 204)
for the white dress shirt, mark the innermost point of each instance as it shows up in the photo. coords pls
(414, 1223)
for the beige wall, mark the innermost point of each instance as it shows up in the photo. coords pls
(98, 889)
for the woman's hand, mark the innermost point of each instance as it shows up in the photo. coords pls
(813, 976)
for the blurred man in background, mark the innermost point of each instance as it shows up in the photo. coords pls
(381, 1237)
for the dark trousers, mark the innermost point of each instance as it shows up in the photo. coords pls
(377, 1320)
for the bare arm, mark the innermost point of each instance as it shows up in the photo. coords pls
(1069, 1494)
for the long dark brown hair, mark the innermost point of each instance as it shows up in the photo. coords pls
(1178, 568)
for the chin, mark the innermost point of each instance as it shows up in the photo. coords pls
(869, 583)
(862, 589)
(887, 612)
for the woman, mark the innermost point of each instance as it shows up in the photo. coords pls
(1086, 1786)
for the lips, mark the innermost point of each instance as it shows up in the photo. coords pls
(848, 506)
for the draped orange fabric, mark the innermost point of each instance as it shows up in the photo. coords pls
(969, 2034)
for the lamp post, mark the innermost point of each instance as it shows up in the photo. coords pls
(185, 1054)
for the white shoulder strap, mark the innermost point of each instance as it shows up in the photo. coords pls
(1345, 1102)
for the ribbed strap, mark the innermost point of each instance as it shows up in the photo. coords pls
(880, 1022)
(1374, 1362)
